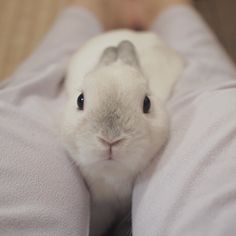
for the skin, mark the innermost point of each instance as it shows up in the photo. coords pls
(133, 14)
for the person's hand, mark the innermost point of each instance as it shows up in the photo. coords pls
(135, 14)
(113, 13)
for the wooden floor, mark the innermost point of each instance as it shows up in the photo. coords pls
(24, 22)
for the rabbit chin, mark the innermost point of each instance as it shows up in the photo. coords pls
(108, 178)
(106, 170)
(106, 165)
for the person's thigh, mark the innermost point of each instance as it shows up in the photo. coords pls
(190, 189)
(41, 190)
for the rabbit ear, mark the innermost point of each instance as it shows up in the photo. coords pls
(109, 56)
(127, 53)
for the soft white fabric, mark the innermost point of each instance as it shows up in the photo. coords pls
(189, 190)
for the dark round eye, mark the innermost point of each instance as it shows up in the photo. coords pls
(146, 104)
(80, 101)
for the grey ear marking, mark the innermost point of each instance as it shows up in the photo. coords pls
(109, 56)
(127, 53)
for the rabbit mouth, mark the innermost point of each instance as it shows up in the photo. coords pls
(110, 147)
(109, 154)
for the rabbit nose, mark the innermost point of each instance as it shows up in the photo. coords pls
(110, 142)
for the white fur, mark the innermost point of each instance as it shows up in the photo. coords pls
(113, 109)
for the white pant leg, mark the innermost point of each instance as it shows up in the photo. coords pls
(191, 189)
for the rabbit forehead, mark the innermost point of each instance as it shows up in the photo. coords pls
(115, 79)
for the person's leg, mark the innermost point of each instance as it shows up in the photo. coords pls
(190, 189)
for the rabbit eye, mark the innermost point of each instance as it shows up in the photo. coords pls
(80, 101)
(146, 104)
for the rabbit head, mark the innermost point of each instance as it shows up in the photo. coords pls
(112, 122)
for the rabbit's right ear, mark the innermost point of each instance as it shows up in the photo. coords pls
(127, 54)
(109, 56)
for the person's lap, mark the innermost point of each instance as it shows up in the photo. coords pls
(42, 191)
(189, 189)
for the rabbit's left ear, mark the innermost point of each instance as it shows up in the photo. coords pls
(109, 56)
(127, 54)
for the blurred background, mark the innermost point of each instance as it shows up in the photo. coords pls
(23, 23)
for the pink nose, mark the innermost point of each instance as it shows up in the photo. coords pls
(110, 143)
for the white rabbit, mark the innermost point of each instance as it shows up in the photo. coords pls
(115, 120)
